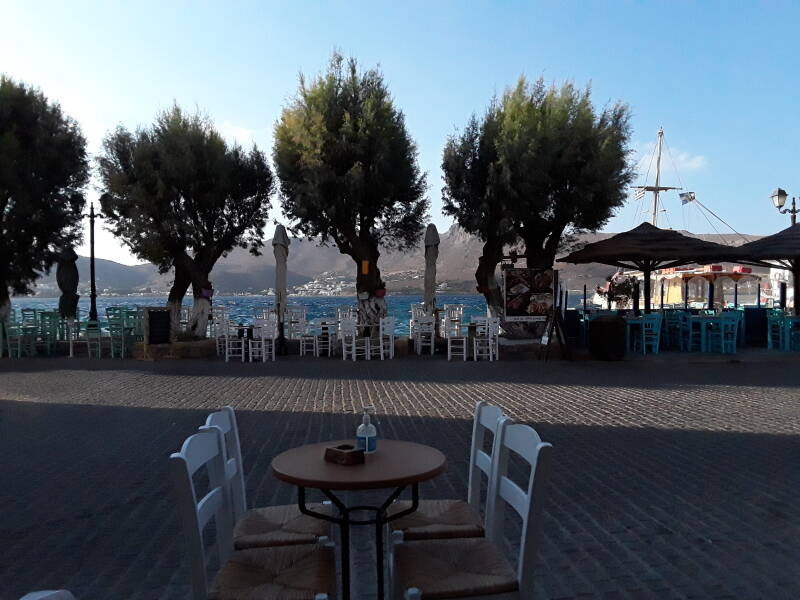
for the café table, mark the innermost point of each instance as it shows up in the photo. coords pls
(395, 465)
(630, 324)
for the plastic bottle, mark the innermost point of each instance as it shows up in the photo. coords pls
(367, 435)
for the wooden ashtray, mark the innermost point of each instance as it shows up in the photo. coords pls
(344, 454)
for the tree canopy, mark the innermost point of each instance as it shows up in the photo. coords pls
(541, 165)
(180, 197)
(348, 169)
(43, 172)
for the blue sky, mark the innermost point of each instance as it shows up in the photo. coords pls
(722, 78)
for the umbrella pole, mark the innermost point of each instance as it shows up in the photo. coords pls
(795, 281)
(584, 297)
(711, 294)
(647, 291)
(736, 294)
(662, 295)
(685, 294)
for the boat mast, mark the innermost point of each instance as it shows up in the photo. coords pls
(658, 175)
(657, 188)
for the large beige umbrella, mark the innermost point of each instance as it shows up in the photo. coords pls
(431, 256)
(280, 248)
(647, 248)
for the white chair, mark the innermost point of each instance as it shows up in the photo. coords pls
(260, 527)
(234, 345)
(262, 344)
(220, 325)
(447, 568)
(353, 346)
(485, 343)
(425, 334)
(49, 595)
(308, 344)
(440, 519)
(457, 342)
(386, 327)
(285, 570)
(326, 340)
(295, 319)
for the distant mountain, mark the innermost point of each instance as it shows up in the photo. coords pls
(315, 269)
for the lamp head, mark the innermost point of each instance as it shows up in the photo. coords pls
(779, 198)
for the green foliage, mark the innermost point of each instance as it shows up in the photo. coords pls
(540, 166)
(562, 167)
(620, 288)
(43, 172)
(347, 166)
(178, 195)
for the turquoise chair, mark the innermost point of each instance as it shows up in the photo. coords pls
(776, 330)
(722, 337)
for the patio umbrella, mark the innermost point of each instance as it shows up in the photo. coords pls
(647, 248)
(431, 256)
(280, 248)
(782, 248)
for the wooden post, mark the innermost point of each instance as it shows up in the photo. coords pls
(736, 294)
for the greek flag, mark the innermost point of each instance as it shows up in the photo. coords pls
(686, 197)
(639, 194)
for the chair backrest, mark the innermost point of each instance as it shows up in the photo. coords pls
(349, 313)
(426, 324)
(386, 326)
(487, 418)
(526, 444)
(268, 328)
(452, 329)
(225, 420)
(347, 327)
(417, 310)
(651, 322)
(202, 450)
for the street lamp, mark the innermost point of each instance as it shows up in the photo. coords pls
(93, 292)
(779, 197)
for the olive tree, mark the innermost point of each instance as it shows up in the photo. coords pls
(348, 172)
(43, 172)
(180, 197)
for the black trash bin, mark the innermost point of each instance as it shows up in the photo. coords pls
(607, 338)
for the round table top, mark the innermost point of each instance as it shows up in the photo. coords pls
(395, 463)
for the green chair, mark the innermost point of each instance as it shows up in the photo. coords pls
(723, 335)
(21, 340)
(48, 330)
(119, 339)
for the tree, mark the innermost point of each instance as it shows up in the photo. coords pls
(348, 172)
(181, 197)
(470, 167)
(563, 168)
(43, 172)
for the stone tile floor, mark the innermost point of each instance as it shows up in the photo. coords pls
(672, 478)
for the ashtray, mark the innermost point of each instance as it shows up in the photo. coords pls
(344, 454)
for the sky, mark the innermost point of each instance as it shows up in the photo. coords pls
(721, 78)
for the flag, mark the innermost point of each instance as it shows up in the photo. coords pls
(639, 193)
(686, 197)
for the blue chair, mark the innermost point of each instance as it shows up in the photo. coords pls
(650, 338)
(722, 336)
(776, 330)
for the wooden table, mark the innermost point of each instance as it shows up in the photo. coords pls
(396, 464)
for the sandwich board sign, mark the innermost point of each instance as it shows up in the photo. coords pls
(528, 294)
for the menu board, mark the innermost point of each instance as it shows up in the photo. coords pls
(527, 294)
(158, 326)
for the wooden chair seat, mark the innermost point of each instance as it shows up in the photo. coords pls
(437, 519)
(459, 568)
(279, 526)
(285, 573)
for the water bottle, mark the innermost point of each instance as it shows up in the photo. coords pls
(366, 435)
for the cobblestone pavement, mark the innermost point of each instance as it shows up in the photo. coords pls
(671, 479)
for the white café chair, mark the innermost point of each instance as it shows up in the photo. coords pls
(263, 342)
(447, 568)
(49, 595)
(485, 343)
(305, 570)
(386, 328)
(234, 345)
(260, 527)
(457, 342)
(353, 346)
(439, 519)
(417, 311)
(425, 334)
(326, 339)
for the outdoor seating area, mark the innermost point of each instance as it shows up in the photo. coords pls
(293, 550)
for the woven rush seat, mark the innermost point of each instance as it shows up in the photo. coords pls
(437, 519)
(280, 526)
(454, 568)
(285, 573)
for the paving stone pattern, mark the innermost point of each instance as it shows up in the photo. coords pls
(671, 479)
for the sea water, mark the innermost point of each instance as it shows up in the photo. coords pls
(241, 308)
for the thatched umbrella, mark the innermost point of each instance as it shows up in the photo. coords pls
(783, 249)
(431, 256)
(647, 248)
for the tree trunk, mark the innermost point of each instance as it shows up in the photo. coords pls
(201, 307)
(484, 277)
(175, 298)
(371, 307)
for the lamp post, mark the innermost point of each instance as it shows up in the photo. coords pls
(779, 197)
(93, 292)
